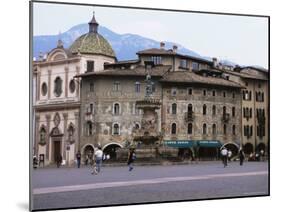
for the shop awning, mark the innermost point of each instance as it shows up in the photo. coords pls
(179, 143)
(209, 143)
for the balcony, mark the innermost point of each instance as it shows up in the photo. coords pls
(225, 117)
(189, 116)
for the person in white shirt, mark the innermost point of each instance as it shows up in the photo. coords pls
(224, 156)
(229, 154)
(98, 159)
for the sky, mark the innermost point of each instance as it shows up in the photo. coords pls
(240, 39)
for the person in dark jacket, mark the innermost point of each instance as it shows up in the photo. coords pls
(78, 158)
(131, 158)
(241, 156)
(59, 160)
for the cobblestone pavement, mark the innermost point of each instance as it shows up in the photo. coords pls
(72, 187)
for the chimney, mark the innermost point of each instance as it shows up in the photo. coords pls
(162, 45)
(175, 48)
(215, 62)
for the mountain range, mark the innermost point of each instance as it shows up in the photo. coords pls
(124, 45)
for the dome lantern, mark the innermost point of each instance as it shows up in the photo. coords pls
(93, 24)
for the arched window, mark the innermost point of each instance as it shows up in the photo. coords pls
(204, 129)
(214, 93)
(214, 129)
(116, 109)
(42, 139)
(116, 129)
(233, 130)
(174, 108)
(137, 126)
(58, 86)
(233, 111)
(137, 87)
(189, 108)
(224, 129)
(44, 89)
(204, 109)
(72, 86)
(189, 128)
(89, 128)
(214, 110)
(174, 129)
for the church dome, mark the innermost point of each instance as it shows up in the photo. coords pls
(92, 42)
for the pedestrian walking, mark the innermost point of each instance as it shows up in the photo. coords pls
(98, 159)
(59, 160)
(131, 158)
(229, 155)
(241, 156)
(86, 160)
(262, 155)
(78, 158)
(224, 156)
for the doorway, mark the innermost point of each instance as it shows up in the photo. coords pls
(56, 149)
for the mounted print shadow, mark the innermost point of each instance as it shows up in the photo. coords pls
(139, 105)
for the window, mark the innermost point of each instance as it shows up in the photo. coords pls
(89, 128)
(189, 108)
(195, 66)
(214, 110)
(233, 111)
(42, 139)
(137, 87)
(224, 110)
(44, 89)
(224, 129)
(189, 128)
(157, 60)
(214, 129)
(233, 130)
(72, 86)
(115, 129)
(116, 109)
(116, 86)
(246, 83)
(183, 63)
(204, 129)
(174, 129)
(204, 92)
(58, 86)
(190, 91)
(214, 93)
(91, 87)
(91, 108)
(224, 94)
(174, 108)
(233, 95)
(204, 109)
(174, 91)
(90, 66)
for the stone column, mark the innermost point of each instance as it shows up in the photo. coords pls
(48, 118)
(49, 83)
(38, 85)
(77, 132)
(36, 134)
(66, 81)
(77, 84)
(64, 141)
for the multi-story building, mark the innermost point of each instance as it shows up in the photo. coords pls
(198, 106)
(255, 107)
